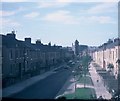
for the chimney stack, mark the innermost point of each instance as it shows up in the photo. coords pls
(28, 40)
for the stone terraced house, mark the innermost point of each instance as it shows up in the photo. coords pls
(23, 59)
(107, 55)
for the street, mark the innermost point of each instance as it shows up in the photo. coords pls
(51, 85)
(46, 88)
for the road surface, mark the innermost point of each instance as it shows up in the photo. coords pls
(46, 88)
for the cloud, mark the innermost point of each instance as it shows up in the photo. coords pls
(47, 4)
(43, 1)
(97, 20)
(67, 1)
(32, 15)
(65, 17)
(94, 0)
(62, 3)
(56, 3)
(11, 13)
(103, 8)
(14, 0)
(87, 1)
(61, 16)
(101, 19)
(6, 13)
(20, 9)
(8, 22)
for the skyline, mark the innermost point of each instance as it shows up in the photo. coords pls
(61, 23)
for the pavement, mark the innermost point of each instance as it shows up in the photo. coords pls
(69, 87)
(26, 83)
(99, 85)
(82, 86)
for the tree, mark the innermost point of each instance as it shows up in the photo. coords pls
(85, 63)
(110, 66)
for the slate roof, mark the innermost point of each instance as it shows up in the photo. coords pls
(13, 42)
(109, 45)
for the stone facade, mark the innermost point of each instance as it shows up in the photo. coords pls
(23, 59)
(108, 53)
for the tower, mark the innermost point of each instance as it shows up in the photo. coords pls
(76, 47)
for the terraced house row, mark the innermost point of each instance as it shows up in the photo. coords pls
(107, 56)
(23, 59)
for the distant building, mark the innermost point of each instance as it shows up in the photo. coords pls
(91, 49)
(76, 47)
(68, 53)
(83, 50)
(79, 49)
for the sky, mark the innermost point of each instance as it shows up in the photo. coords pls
(61, 22)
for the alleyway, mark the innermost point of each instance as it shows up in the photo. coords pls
(98, 84)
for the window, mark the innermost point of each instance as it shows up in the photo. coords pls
(113, 55)
(20, 53)
(16, 53)
(0, 52)
(11, 69)
(109, 54)
(10, 54)
(116, 53)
